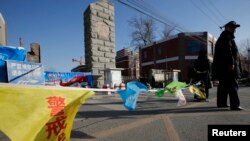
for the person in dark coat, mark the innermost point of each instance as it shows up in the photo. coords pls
(226, 67)
(202, 70)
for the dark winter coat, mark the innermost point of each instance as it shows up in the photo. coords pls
(202, 69)
(226, 54)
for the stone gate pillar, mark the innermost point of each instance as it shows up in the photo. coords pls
(99, 32)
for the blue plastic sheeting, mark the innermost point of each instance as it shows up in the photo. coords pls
(9, 53)
(130, 95)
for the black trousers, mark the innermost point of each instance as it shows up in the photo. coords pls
(207, 92)
(228, 86)
(204, 78)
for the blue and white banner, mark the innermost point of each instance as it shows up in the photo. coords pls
(81, 79)
(19, 72)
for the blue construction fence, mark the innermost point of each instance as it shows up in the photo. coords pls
(79, 79)
(9, 53)
(15, 69)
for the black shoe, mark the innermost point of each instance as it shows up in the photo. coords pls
(237, 109)
(201, 100)
(223, 106)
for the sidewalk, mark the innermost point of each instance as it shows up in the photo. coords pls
(104, 118)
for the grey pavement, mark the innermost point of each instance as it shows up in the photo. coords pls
(103, 118)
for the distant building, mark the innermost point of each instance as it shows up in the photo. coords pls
(3, 39)
(176, 53)
(126, 59)
(137, 65)
(34, 55)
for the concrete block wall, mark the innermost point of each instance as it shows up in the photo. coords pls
(99, 32)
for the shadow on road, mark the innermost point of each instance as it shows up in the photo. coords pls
(141, 111)
(81, 135)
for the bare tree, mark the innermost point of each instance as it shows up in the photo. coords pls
(143, 33)
(244, 47)
(168, 31)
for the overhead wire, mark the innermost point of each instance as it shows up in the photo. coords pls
(213, 21)
(211, 11)
(152, 11)
(158, 19)
(148, 14)
(144, 5)
(211, 3)
(158, 14)
(152, 14)
(179, 28)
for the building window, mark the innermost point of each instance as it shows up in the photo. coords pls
(159, 51)
(193, 47)
(145, 54)
(210, 48)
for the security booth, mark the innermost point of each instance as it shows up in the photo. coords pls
(113, 76)
(170, 76)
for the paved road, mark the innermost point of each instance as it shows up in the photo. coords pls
(103, 118)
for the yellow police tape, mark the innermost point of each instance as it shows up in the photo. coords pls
(39, 113)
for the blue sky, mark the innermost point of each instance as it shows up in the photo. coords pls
(57, 25)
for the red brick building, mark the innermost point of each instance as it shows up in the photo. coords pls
(178, 52)
(123, 58)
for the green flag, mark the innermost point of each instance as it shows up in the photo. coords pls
(171, 88)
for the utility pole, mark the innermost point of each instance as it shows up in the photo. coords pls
(166, 71)
(166, 62)
(20, 42)
(140, 61)
(248, 62)
(80, 61)
(154, 54)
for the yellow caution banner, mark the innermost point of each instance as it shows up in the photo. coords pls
(39, 113)
(198, 91)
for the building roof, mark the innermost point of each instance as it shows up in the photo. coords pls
(176, 36)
